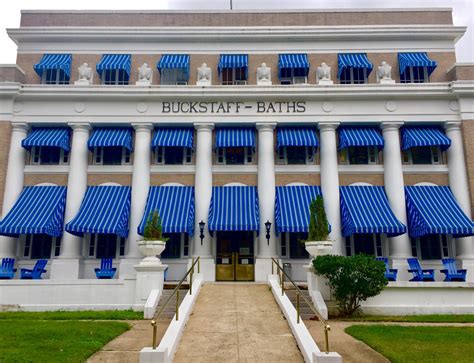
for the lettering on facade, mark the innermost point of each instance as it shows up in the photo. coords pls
(259, 107)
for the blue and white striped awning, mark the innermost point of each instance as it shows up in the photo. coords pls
(173, 136)
(365, 209)
(292, 207)
(297, 136)
(293, 61)
(434, 210)
(235, 137)
(43, 136)
(119, 62)
(174, 61)
(38, 210)
(111, 136)
(424, 136)
(353, 60)
(233, 61)
(234, 208)
(104, 209)
(359, 136)
(54, 61)
(175, 206)
(421, 59)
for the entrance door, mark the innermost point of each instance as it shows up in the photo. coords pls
(235, 256)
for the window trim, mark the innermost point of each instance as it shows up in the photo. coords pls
(172, 75)
(345, 159)
(92, 243)
(27, 245)
(98, 158)
(285, 244)
(380, 245)
(57, 78)
(160, 152)
(293, 79)
(352, 78)
(411, 76)
(447, 244)
(407, 158)
(184, 243)
(221, 157)
(116, 81)
(35, 156)
(282, 157)
(233, 81)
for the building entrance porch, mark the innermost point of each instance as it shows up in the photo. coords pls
(235, 258)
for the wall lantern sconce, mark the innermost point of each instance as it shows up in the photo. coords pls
(201, 230)
(268, 225)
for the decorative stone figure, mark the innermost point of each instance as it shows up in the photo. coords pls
(384, 74)
(85, 75)
(204, 75)
(264, 75)
(144, 75)
(323, 74)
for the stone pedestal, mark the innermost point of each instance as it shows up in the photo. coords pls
(204, 83)
(83, 82)
(149, 277)
(207, 268)
(263, 268)
(386, 81)
(143, 83)
(325, 82)
(264, 82)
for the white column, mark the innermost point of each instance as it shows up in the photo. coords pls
(68, 264)
(203, 193)
(13, 183)
(330, 182)
(266, 199)
(140, 188)
(400, 247)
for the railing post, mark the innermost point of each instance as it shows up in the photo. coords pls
(177, 304)
(326, 337)
(273, 262)
(199, 265)
(297, 307)
(153, 324)
(191, 279)
(282, 283)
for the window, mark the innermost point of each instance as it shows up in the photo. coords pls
(105, 245)
(365, 243)
(234, 155)
(38, 246)
(233, 76)
(293, 76)
(112, 155)
(432, 247)
(296, 155)
(176, 243)
(173, 155)
(292, 245)
(173, 76)
(48, 155)
(114, 77)
(352, 75)
(360, 155)
(414, 75)
(422, 155)
(54, 76)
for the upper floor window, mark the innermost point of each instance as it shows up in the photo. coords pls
(112, 155)
(48, 155)
(423, 145)
(234, 155)
(174, 69)
(415, 67)
(296, 145)
(360, 155)
(114, 77)
(54, 76)
(235, 145)
(48, 145)
(111, 145)
(41, 246)
(414, 75)
(293, 68)
(432, 247)
(173, 155)
(353, 68)
(106, 246)
(114, 69)
(54, 69)
(296, 155)
(422, 155)
(359, 145)
(365, 243)
(233, 69)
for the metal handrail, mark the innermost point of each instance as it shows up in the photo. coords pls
(176, 291)
(299, 294)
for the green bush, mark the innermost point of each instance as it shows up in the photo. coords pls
(351, 279)
(318, 222)
(153, 229)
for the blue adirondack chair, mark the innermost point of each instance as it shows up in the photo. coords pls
(451, 271)
(6, 270)
(106, 271)
(390, 273)
(419, 274)
(36, 272)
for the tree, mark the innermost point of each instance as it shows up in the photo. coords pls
(352, 279)
(153, 229)
(318, 222)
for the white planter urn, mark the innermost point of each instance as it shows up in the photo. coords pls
(152, 251)
(318, 248)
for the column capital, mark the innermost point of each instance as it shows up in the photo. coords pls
(85, 126)
(325, 126)
(391, 125)
(265, 126)
(142, 126)
(452, 125)
(20, 126)
(203, 126)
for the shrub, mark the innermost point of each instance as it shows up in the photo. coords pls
(318, 222)
(153, 229)
(351, 279)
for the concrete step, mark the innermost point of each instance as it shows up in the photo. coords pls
(305, 311)
(170, 309)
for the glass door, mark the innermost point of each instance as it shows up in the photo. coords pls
(235, 256)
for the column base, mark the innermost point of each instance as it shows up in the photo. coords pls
(66, 269)
(207, 267)
(468, 264)
(149, 277)
(263, 268)
(401, 265)
(127, 268)
(317, 283)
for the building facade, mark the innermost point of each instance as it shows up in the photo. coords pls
(228, 124)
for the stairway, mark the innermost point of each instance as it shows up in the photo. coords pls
(305, 311)
(168, 288)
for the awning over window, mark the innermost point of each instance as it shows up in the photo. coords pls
(434, 210)
(297, 136)
(234, 208)
(421, 59)
(111, 136)
(54, 61)
(292, 207)
(235, 137)
(353, 60)
(175, 206)
(359, 136)
(174, 61)
(173, 137)
(104, 209)
(424, 136)
(38, 210)
(365, 209)
(119, 62)
(233, 61)
(57, 136)
(293, 61)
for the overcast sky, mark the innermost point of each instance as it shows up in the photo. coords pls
(463, 13)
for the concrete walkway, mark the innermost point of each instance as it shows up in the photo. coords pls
(237, 323)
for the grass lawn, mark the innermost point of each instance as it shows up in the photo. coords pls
(54, 341)
(74, 315)
(414, 318)
(418, 344)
